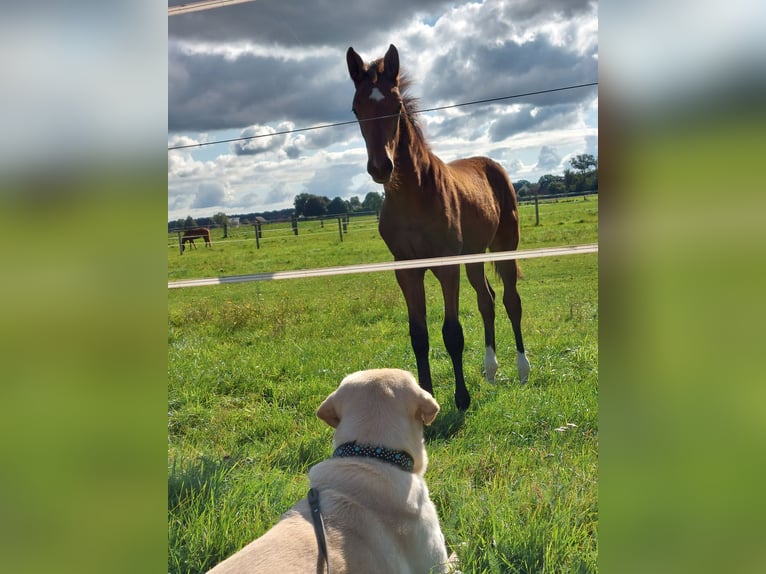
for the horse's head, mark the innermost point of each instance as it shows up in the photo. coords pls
(377, 106)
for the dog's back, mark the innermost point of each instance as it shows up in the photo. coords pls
(288, 548)
(378, 516)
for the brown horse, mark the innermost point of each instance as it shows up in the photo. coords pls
(194, 233)
(435, 209)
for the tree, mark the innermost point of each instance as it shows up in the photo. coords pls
(354, 204)
(315, 206)
(570, 181)
(300, 203)
(544, 183)
(222, 219)
(372, 201)
(189, 222)
(337, 207)
(582, 162)
(522, 187)
(557, 188)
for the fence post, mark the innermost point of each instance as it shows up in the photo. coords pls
(537, 210)
(340, 230)
(294, 224)
(180, 245)
(257, 228)
(345, 223)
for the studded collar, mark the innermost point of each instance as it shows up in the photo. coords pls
(398, 458)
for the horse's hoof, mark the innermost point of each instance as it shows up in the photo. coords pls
(462, 401)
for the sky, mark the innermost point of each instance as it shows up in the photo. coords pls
(267, 66)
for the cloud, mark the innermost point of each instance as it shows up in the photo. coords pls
(280, 194)
(591, 145)
(549, 158)
(334, 180)
(533, 118)
(305, 23)
(479, 71)
(260, 139)
(208, 91)
(209, 194)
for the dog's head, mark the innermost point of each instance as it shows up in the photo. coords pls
(381, 406)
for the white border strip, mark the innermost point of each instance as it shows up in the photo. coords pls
(388, 266)
(204, 5)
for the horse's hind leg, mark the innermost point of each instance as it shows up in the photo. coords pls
(452, 330)
(508, 270)
(411, 283)
(485, 297)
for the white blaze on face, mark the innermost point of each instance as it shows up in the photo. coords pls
(376, 94)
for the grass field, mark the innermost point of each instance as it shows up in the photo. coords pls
(514, 479)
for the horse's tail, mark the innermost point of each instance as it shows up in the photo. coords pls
(519, 271)
(508, 229)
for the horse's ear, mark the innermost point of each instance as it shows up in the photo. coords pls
(391, 64)
(327, 412)
(355, 65)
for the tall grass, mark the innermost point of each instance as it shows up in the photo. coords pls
(514, 478)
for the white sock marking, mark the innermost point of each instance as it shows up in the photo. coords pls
(522, 363)
(490, 364)
(376, 94)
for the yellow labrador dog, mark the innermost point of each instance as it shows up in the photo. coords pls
(372, 498)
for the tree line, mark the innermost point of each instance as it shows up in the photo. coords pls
(583, 177)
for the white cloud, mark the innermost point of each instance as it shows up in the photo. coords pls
(549, 158)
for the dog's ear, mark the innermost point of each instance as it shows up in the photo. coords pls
(327, 412)
(428, 408)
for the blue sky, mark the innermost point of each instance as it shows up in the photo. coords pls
(264, 67)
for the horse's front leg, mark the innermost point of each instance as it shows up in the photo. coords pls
(452, 330)
(411, 283)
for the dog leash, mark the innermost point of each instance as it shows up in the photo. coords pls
(316, 518)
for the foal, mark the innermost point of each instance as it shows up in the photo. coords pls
(436, 209)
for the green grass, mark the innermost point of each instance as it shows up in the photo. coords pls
(248, 365)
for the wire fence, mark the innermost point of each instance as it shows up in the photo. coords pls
(340, 225)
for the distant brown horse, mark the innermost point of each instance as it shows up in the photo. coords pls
(434, 209)
(196, 232)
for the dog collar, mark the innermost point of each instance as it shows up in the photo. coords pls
(396, 457)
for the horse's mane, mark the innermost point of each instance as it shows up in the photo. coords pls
(411, 105)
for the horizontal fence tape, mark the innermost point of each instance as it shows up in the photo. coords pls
(203, 5)
(389, 266)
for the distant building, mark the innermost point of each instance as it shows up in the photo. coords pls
(234, 221)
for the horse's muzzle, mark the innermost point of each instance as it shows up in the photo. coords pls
(381, 174)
